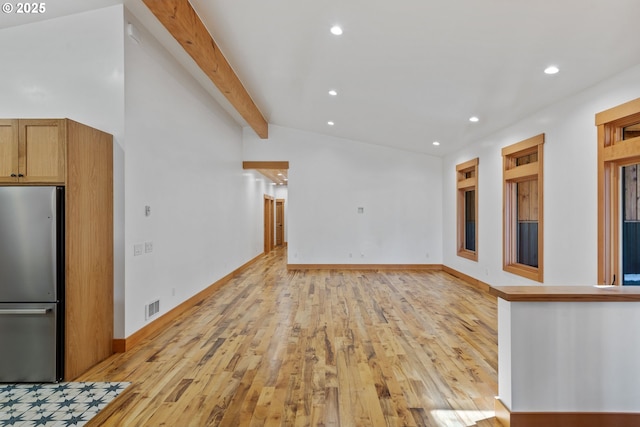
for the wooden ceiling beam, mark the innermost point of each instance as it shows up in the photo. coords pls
(179, 18)
(266, 165)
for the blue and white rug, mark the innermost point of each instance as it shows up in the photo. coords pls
(54, 405)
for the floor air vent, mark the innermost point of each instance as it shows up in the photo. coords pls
(151, 309)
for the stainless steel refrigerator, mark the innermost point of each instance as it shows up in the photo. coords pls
(31, 284)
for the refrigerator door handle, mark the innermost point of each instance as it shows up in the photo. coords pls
(24, 311)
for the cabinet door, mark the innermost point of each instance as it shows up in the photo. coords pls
(8, 150)
(42, 151)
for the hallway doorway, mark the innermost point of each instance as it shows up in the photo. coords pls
(280, 222)
(268, 223)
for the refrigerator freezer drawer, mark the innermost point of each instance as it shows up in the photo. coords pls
(29, 350)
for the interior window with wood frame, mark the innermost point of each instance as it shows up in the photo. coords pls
(523, 229)
(467, 209)
(619, 194)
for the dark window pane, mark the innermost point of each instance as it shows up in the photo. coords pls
(632, 131)
(528, 243)
(470, 220)
(526, 159)
(631, 225)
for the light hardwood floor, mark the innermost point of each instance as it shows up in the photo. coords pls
(316, 348)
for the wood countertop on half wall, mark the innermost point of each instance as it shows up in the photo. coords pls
(567, 293)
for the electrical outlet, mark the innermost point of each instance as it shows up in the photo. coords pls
(148, 247)
(137, 249)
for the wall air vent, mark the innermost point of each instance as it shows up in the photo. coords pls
(151, 309)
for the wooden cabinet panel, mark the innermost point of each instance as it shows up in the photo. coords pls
(8, 151)
(89, 244)
(42, 151)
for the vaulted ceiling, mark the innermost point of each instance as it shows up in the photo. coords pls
(409, 72)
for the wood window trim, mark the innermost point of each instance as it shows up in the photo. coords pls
(613, 153)
(512, 175)
(466, 179)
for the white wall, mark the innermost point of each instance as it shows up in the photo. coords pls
(73, 67)
(329, 178)
(575, 356)
(570, 188)
(184, 159)
(66, 67)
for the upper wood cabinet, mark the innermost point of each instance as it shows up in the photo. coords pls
(32, 151)
(8, 150)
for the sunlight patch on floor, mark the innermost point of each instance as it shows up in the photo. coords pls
(452, 417)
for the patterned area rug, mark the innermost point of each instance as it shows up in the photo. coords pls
(54, 405)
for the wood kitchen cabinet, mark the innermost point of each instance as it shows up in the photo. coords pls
(80, 158)
(32, 151)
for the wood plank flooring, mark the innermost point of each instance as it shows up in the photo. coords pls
(316, 348)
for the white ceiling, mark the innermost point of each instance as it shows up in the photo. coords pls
(409, 72)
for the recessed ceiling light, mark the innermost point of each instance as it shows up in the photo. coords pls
(474, 119)
(330, 123)
(333, 92)
(552, 69)
(336, 30)
(436, 143)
